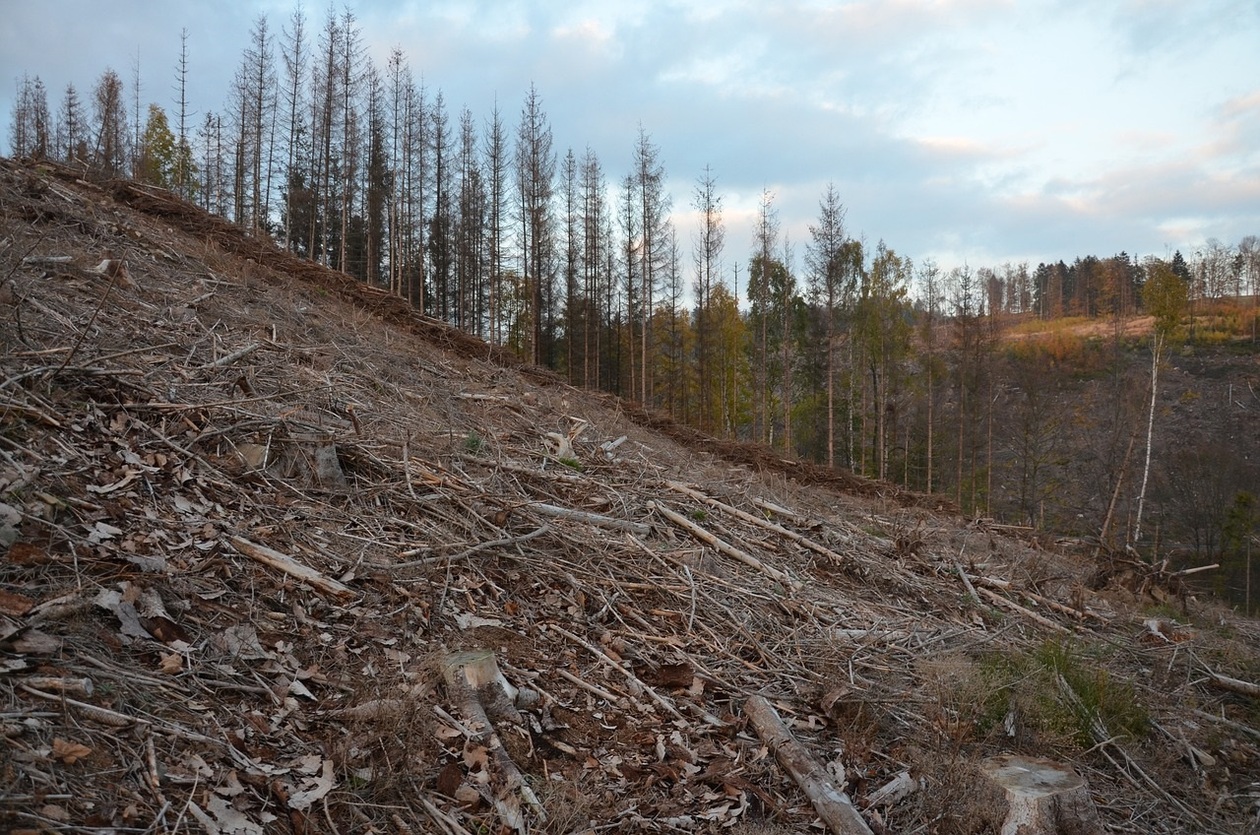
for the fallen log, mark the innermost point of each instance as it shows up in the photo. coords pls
(597, 519)
(1235, 685)
(725, 547)
(804, 541)
(828, 799)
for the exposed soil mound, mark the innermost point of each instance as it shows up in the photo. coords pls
(279, 554)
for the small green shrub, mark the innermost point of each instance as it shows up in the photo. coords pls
(1099, 695)
(1017, 696)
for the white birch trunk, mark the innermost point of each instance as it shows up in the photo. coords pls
(1150, 431)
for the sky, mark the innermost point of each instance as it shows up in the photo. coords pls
(969, 132)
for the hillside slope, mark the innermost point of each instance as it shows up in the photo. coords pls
(262, 520)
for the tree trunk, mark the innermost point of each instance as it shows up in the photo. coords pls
(1150, 431)
(482, 694)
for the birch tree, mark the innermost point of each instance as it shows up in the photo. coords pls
(1165, 295)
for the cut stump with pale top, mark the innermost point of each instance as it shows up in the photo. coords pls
(1042, 797)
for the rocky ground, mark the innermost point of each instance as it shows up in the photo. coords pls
(271, 541)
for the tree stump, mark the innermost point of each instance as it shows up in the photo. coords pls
(1041, 797)
(482, 694)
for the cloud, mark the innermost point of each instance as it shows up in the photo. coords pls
(1168, 29)
(964, 129)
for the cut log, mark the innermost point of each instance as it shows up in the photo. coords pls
(828, 799)
(1235, 685)
(1040, 797)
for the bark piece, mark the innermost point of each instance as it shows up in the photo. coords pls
(894, 791)
(828, 799)
(1041, 797)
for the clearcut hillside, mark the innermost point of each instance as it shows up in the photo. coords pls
(279, 554)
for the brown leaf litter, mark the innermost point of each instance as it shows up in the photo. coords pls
(253, 510)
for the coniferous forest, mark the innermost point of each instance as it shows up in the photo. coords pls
(1107, 398)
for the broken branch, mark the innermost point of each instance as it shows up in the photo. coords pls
(828, 799)
(283, 562)
(726, 548)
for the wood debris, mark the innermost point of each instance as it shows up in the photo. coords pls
(279, 554)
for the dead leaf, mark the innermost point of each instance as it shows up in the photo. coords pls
(229, 819)
(450, 778)
(313, 789)
(124, 610)
(476, 757)
(69, 752)
(171, 663)
(26, 553)
(469, 621)
(130, 476)
(296, 688)
(241, 642)
(468, 797)
(668, 675)
(309, 764)
(15, 604)
(102, 532)
(164, 629)
(231, 786)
